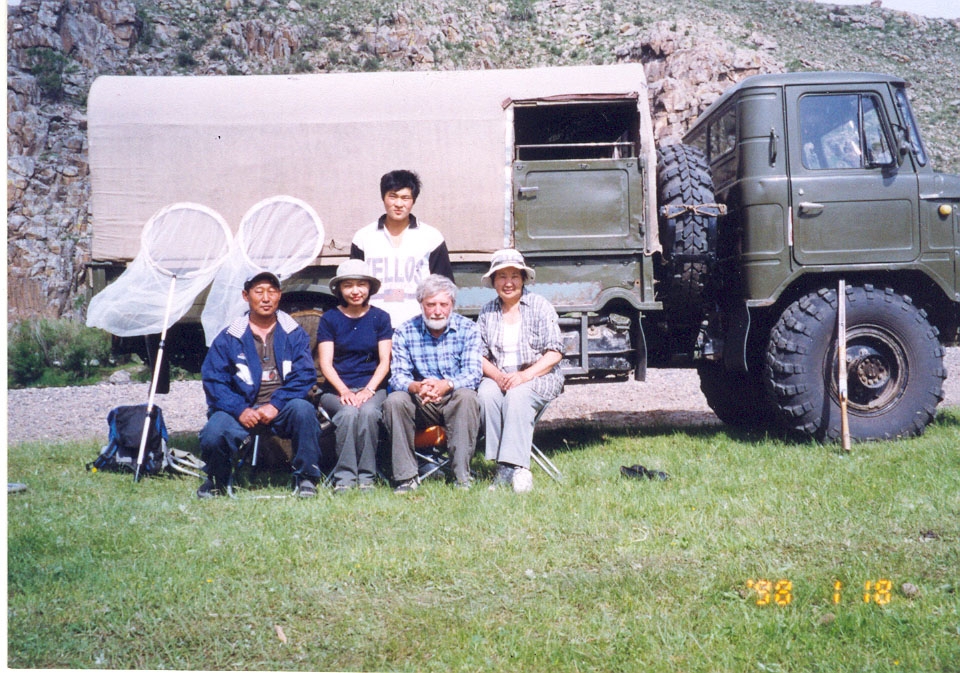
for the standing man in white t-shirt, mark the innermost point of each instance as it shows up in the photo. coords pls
(400, 251)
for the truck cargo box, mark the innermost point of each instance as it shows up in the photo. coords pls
(228, 142)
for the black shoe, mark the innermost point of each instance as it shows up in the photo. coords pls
(306, 488)
(504, 476)
(208, 489)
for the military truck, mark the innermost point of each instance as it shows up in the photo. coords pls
(722, 252)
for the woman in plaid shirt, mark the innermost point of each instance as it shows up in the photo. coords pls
(521, 351)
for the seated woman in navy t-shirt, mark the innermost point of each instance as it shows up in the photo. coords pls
(353, 343)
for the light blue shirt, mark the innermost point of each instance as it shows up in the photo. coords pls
(454, 355)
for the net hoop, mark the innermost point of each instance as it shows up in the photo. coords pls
(166, 211)
(242, 232)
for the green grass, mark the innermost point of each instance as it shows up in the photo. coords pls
(601, 573)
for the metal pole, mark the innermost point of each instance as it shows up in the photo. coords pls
(153, 381)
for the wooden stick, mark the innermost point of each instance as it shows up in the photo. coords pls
(842, 364)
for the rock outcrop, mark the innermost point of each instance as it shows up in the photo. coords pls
(686, 75)
(56, 48)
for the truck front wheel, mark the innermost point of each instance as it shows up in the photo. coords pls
(895, 367)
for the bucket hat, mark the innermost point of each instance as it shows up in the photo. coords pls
(353, 269)
(506, 258)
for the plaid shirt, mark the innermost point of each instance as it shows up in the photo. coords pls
(539, 333)
(454, 355)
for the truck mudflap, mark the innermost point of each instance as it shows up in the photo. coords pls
(725, 339)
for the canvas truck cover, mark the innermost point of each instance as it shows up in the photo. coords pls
(229, 142)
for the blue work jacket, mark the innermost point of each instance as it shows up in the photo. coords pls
(232, 369)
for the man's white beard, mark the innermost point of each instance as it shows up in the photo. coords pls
(438, 324)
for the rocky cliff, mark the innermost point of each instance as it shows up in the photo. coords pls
(56, 48)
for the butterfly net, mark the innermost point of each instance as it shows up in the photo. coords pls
(280, 234)
(181, 248)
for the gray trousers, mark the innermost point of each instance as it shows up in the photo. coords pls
(357, 433)
(508, 421)
(458, 413)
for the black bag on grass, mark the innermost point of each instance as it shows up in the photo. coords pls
(123, 442)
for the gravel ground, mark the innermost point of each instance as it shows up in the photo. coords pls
(667, 397)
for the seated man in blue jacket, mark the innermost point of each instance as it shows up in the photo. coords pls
(256, 377)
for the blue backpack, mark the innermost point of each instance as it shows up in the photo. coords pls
(123, 444)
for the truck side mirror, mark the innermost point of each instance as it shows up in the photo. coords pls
(904, 146)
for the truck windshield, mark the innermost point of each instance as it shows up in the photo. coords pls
(913, 133)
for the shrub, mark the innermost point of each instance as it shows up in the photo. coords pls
(25, 358)
(186, 60)
(300, 64)
(521, 10)
(54, 352)
(147, 34)
(83, 350)
(48, 66)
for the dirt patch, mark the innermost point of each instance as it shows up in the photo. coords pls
(668, 398)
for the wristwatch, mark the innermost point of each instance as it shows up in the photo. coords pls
(449, 383)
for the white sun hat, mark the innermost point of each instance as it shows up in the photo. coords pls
(353, 269)
(503, 259)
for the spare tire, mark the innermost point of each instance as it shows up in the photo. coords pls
(683, 180)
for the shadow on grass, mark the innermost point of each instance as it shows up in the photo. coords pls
(562, 435)
(188, 441)
(567, 435)
(557, 436)
(273, 469)
(947, 418)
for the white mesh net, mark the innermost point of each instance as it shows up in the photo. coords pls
(181, 248)
(280, 234)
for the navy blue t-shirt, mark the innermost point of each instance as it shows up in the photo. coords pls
(355, 340)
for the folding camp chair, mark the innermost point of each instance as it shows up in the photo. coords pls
(247, 454)
(430, 448)
(540, 457)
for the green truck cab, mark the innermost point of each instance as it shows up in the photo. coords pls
(824, 177)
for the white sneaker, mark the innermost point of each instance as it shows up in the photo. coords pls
(522, 480)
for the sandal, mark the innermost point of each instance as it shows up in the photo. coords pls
(640, 472)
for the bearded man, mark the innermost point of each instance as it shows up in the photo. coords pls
(435, 371)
